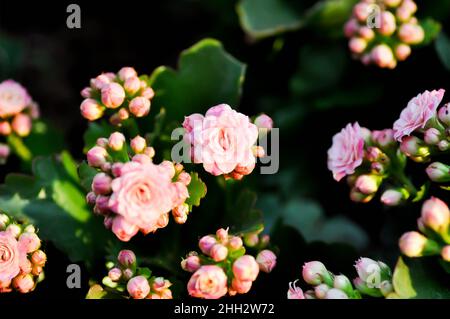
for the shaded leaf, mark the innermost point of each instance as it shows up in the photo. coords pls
(95, 131)
(442, 46)
(196, 189)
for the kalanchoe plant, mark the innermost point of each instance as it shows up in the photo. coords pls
(21, 260)
(224, 266)
(127, 280)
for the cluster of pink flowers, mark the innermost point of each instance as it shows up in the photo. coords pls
(116, 95)
(223, 140)
(434, 225)
(17, 110)
(134, 193)
(21, 260)
(125, 275)
(374, 279)
(373, 21)
(224, 267)
(370, 158)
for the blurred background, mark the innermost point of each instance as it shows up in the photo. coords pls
(305, 79)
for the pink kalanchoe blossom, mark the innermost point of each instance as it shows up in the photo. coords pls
(347, 151)
(266, 260)
(10, 256)
(138, 287)
(208, 282)
(294, 291)
(13, 98)
(21, 124)
(246, 268)
(417, 113)
(221, 140)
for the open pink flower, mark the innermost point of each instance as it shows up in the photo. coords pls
(417, 113)
(347, 151)
(10, 256)
(221, 140)
(13, 98)
(208, 282)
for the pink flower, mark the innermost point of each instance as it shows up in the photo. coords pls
(13, 98)
(10, 256)
(116, 141)
(346, 153)
(417, 113)
(222, 140)
(246, 268)
(295, 292)
(138, 287)
(123, 229)
(21, 124)
(208, 282)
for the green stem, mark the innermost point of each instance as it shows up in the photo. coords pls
(131, 126)
(19, 148)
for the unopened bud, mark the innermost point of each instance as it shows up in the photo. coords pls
(266, 260)
(138, 144)
(444, 114)
(126, 258)
(435, 214)
(314, 273)
(116, 141)
(412, 244)
(438, 172)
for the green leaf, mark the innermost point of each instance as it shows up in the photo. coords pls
(95, 131)
(97, 292)
(264, 18)
(432, 29)
(144, 271)
(401, 281)
(442, 46)
(207, 75)
(44, 139)
(243, 217)
(196, 189)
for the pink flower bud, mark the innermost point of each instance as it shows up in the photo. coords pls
(321, 291)
(116, 169)
(123, 229)
(29, 242)
(392, 197)
(123, 114)
(241, 287)
(90, 198)
(138, 144)
(114, 274)
(116, 141)
(132, 85)
(235, 243)
(264, 121)
(245, 268)
(102, 205)
(24, 283)
(368, 184)
(138, 287)
(126, 258)
(383, 56)
(39, 258)
(180, 210)
(206, 243)
(148, 93)
(411, 33)
(86, 92)
(101, 184)
(36, 270)
(26, 266)
(5, 128)
(438, 172)
(139, 106)
(163, 221)
(361, 11)
(149, 151)
(113, 95)
(402, 52)
(108, 221)
(444, 114)
(357, 45)
(334, 293)
(208, 282)
(218, 252)
(251, 240)
(127, 274)
(4, 152)
(313, 272)
(159, 284)
(266, 260)
(351, 27)
(388, 24)
(100, 81)
(21, 124)
(295, 292)
(14, 230)
(443, 145)
(412, 244)
(445, 253)
(432, 136)
(126, 72)
(96, 156)
(184, 178)
(413, 146)
(91, 110)
(384, 138)
(435, 214)
(222, 235)
(191, 264)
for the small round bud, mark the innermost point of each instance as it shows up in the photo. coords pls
(116, 141)
(5, 128)
(402, 52)
(86, 92)
(438, 172)
(334, 293)
(411, 33)
(245, 268)
(29, 242)
(444, 114)
(113, 95)
(357, 45)
(39, 258)
(126, 72)
(96, 156)
(91, 110)
(313, 272)
(126, 258)
(29, 229)
(383, 56)
(392, 197)
(218, 252)
(139, 106)
(21, 124)
(138, 144)
(266, 260)
(206, 243)
(138, 287)
(14, 230)
(264, 121)
(388, 24)
(101, 184)
(191, 263)
(24, 283)
(368, 184)
(241, 287)
(115, 274)
(148, 93)
(132, 85)
(412, 244)
(222, 235)
(435, 214)
(321, 291)
(445, 253)
(235, 243)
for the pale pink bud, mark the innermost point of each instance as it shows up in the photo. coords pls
(351, 27)
(163, 221)
(294, 291)
(26, 266)
(357, 45)
(106, 167)
(432, 136)
(148, 93)
(138, 287)
(138, 144)
(126, 72)
(139, 106)
(14, 230)
(412, 244)
(86, 92)
(411, 33)
(218, 252)
(368, 184)
(21, 124)
(438, 172)
(116, 169)
(245, 268)
(159, 284)
(266, 260)
(39, 258)
(5, 128)
(123, 229)
(96, 156)
(91, 110)
(141, 158)
(132, 85)
(4, 152)
(206, 243)
(361, 11)
(235, 243)
(29, 242)
(115, 274)
(321, 291)
(101, 184)
(191, 263)
(127, 273)
(334, 293)
(23, 283)
(366, 33)
(116, 141)
(443, 145)
(113, 95)
(402, 52)
(241, 287)
(180, 210)
(313, 272)
(184, 178)
(445, 253)
(123, 114)
(435, 214)
(100, 81)
(222, 235)
(382, 56)
(126, 258)
(392, 197)
(406, 10)
(444, 114)
(29, 229)
(264, 121)
(388, 24)
(413, 146)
